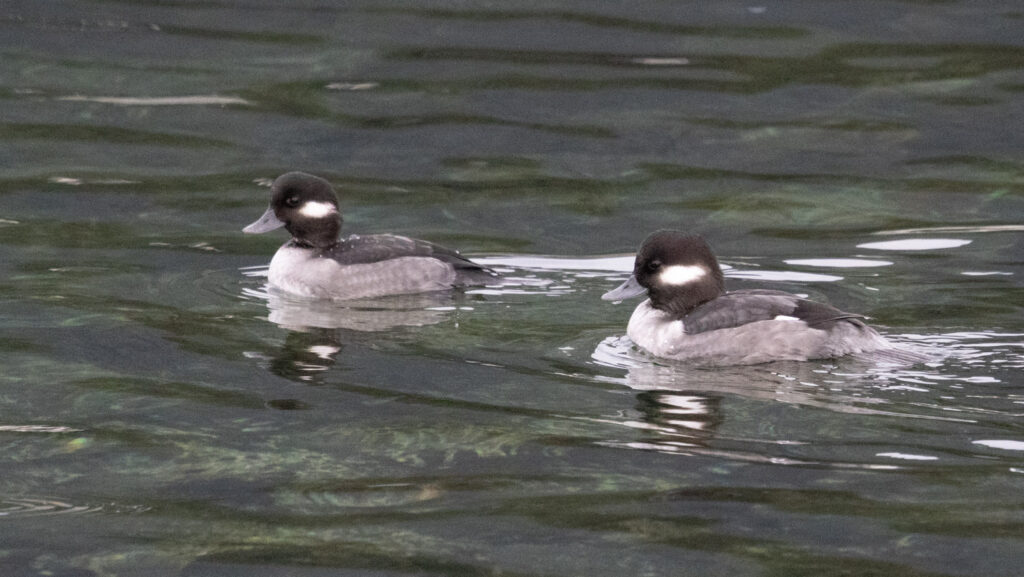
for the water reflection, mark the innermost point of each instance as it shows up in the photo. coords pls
(375, 315)
(799, 383)
(369, 315)
(682, 418)
(740, 413)
(304, 355)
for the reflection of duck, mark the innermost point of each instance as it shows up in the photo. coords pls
(683, 409)
(316, 263)
(689, 316)
(745, 412)
(821, 385)
(691, 416)
(304, 355)
(381, 314)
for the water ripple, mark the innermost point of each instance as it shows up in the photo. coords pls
(203, 100)
(18, 507)
(37, 429)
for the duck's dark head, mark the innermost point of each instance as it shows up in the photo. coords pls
(306, 205)
(677, 270)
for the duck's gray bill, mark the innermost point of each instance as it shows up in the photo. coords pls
(626, 290)
(266, 223)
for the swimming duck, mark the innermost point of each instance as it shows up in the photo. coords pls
(689, 316)
(317, 263)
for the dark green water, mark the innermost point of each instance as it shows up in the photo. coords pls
(161, 415)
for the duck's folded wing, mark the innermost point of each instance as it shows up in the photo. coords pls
(747, 306)
(364, 249)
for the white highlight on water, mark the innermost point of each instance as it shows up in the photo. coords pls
(660, 61)
(838, 262)
(1004, 444)
(609, 263)
(352, 86)
(782, 276)
(957, 229)
(201, 100)
(916, 244)
(908, 456)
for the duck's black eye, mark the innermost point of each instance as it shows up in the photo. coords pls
(653, 265)
(292, 201)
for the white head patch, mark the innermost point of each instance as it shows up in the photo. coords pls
(681, 274)
(314, 209)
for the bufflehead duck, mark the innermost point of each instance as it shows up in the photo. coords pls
(688, 315)
(316, 263)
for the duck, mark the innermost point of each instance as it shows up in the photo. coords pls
(688, 315)
(318, 263)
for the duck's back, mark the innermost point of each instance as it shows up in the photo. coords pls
(741, 307)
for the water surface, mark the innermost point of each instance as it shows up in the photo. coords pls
(163, 413)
